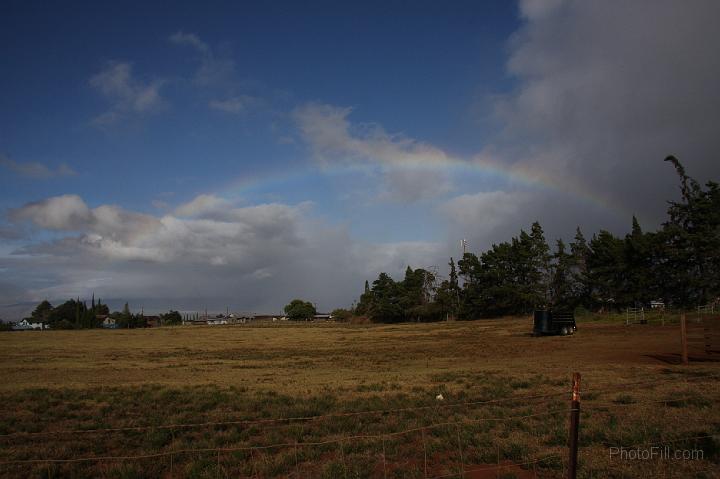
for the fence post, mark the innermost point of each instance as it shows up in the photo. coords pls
(574, 427)
(384, 462)
(683, 338)
(422, 431)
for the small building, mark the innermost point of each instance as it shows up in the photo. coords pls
(108, 322)
(242, 318)
(322, 317)
(26, 324)
(657, 304)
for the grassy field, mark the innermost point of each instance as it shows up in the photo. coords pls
(506, 400)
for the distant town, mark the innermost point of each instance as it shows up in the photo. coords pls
(106, 321)
(77, 314)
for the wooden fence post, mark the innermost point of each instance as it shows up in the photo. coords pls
(574, 427)
(683, 338)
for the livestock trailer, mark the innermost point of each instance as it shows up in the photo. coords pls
(548, 322)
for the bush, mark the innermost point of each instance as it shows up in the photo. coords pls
(341, 314)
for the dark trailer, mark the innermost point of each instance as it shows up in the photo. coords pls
(548, 322)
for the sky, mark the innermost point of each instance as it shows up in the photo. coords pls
(242, 154)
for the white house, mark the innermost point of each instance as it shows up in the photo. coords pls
(26, 324)
(109, 323)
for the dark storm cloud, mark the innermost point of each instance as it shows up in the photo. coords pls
(608, 89)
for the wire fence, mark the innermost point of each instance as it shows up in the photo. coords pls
(519, 434)
(701, 337)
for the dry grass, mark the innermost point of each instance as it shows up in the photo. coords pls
(96, 379)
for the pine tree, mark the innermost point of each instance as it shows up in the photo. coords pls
(540, 268)
(561, 283)
(77, 312)
(606, 270)
(579, 253)
(472, 300)
(638, 288)
(454, 288)
(385, 306)
(691, 242)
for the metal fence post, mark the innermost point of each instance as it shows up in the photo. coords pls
(574, 427)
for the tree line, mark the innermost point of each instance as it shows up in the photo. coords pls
(679, 264)
(76, 314)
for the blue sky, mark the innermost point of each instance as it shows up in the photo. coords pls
(242, 154)
(412, 71)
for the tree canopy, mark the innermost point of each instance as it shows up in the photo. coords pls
(299, 310)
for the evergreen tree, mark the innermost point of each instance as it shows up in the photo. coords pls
(580, 282)
(385, 306)
(453, 289)
(102, 308)
(691, 240)
(606, 270)
(365, 301)
(77, 313)
(472, 300)
(42, 312)
(679, 264)
(561, 287)
(539, 267)
(639, 287)
(171, 317)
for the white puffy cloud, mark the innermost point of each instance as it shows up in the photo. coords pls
(70, 213)
(127, 94)
(405, 162)
(249, 257)
(202, 205)
(333, 138)
(66, 213)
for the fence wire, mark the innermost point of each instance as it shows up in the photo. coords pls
(341, 441)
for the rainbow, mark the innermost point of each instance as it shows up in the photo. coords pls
(523, 175)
